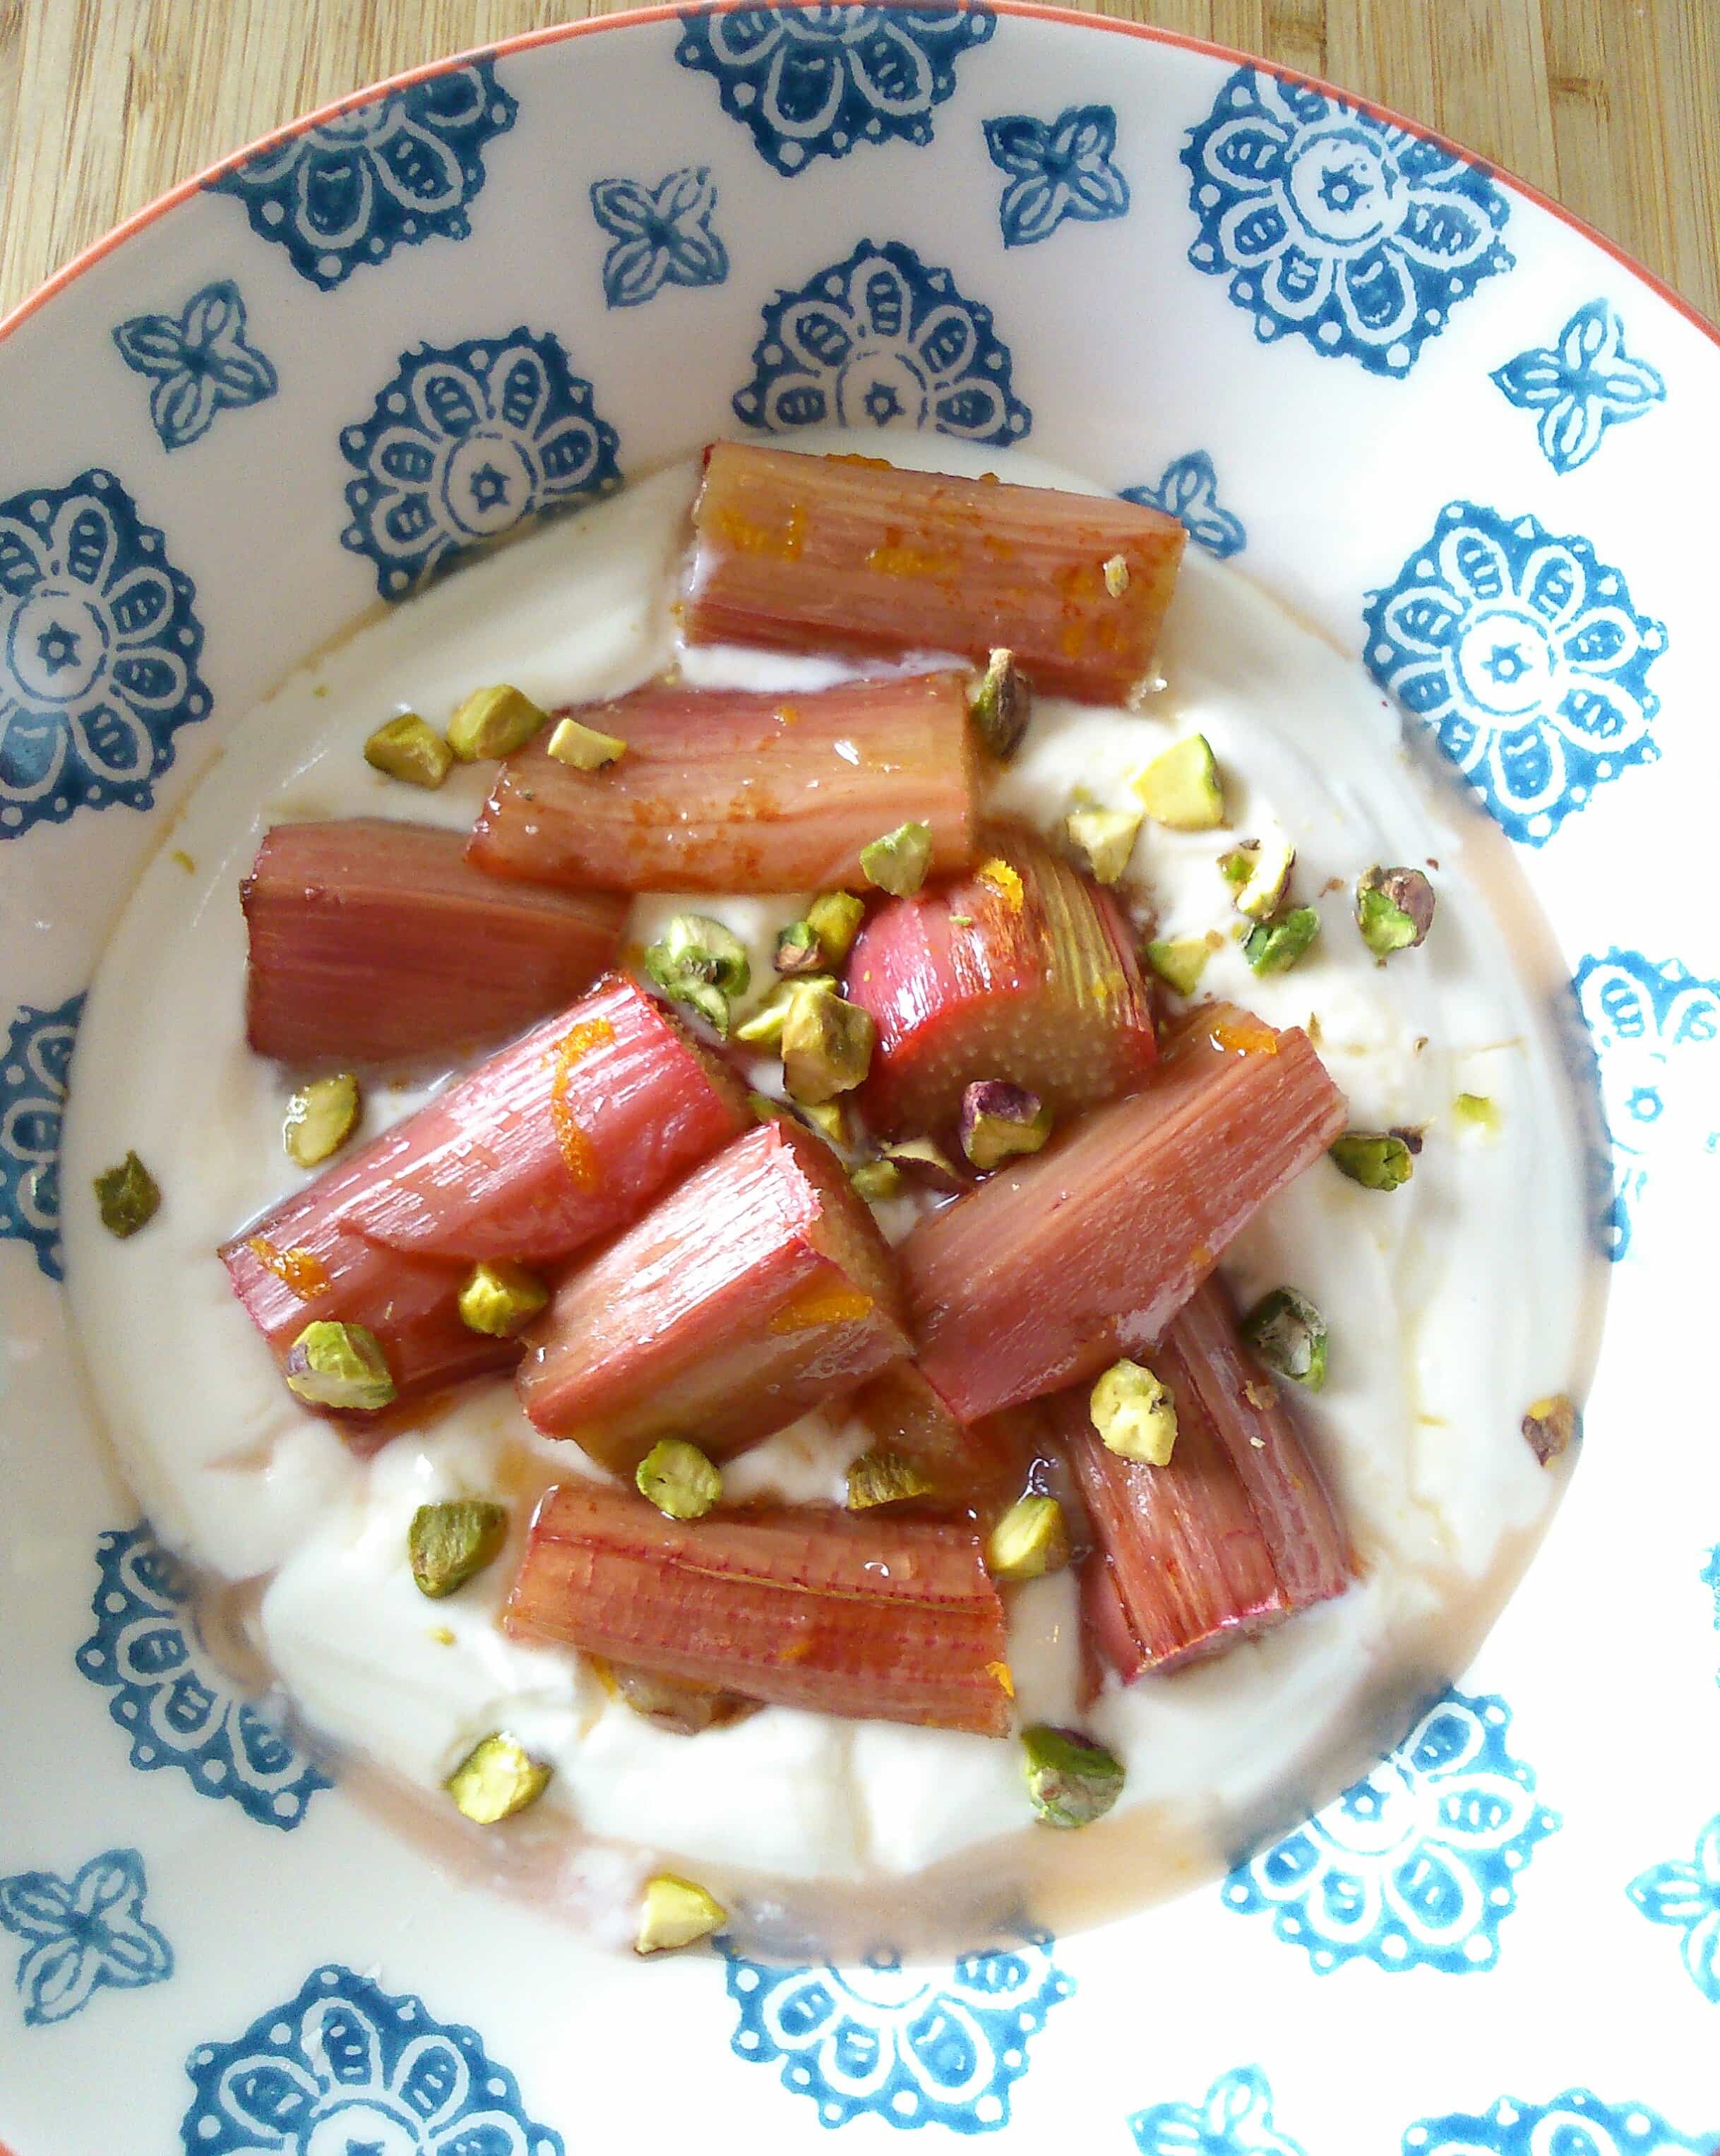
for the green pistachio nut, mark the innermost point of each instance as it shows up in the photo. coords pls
(827, 1047)
(1135, 1414)
(584, 748)
(1289, 1336)
(1550, 1426)
(1475, 1111)
(320, 1117)
(695, 948)
(1394, 909)
(879, 1477)
(1274, 947)
(501, 1298)
(764, 1028)
(829, 1119)
(998, 1121)
(1103, 839)
(1030, 1539)
(330, 1365)
(678, 1479)
(898, 861)
(799, 950)
(451, 1541)
(1180, 963)
(126, 1196)
(1258, 872)
(834, 917)
(496, 1778)
(675, 1912)
(494, 722)
(1181, 789)
(1071, 1780)
(1000, 705)
(876, 1180)
(409, 749)
(1378, 1160)
(925, 1163)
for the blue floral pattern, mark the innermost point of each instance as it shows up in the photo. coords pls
(32, 1083)
(663, 235)
(1687, 1897)
(815, 81)
(172, 1700)
(1711, 1579)
(83, 1933)
(1640, 1016)
(1233, 2118)
(393, 171)
(346, 2069)
(199, 361)
(1337, 226)
(99, 653)
(464, 442)
(1576, 2124)
(1521, 653)
(1188, 490)
(909, 2047)
(1058, 168)
(1581, 386)
(1414, 1867)
(882, 340)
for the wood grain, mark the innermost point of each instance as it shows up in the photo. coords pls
(1608, 105)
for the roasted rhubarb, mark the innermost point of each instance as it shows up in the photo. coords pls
(759, 1289)
(848, 554)
(1022, 972)
(1058, 1265)
(725, 791)
(880, 1617)
(372, 941)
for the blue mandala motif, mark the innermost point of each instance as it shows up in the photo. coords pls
(1581, 386)
(1335, 226)
(464, 443)
(1233, 2118)
(1710, 1578)
(394, 171)
(1687, 1897)
(1573, 2124)
(199, 360)
(882, 340)
(83, 1932)
(1188, 490)
(662, 235)
(912, 2049)
(1521, 652)
(33, 1082)
(1416, 1867)
(99, 652)
(1659, 1094)
(1058, 168)
(170, 1697)
(346, 2069)
(811, 82)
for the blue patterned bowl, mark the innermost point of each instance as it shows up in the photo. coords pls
(1456, 431)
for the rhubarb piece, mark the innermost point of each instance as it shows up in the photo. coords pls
(1030, 1540)
(883, 1478)
(583, 749)
(1378, 1160)
(1258, 872)
(1071, 1781)
(1135, 1414)
(452, 1541)
(1054, 1266)
(757, 1290)
(1001, 705)
(674, 1913)
(494, 722)
(721, 791)
(501, 1298)
(372, 941)
(496, 1778)
(1180, 963)
(883, 1618)
(340, 1367)
(1022, 972)
(1274, 947)
(127, 1197)
(1181, 788)
(827, 1047)
(898, 861)
(876, 1180)
(1394, 909)
(999, 1121)
(848, 554)
(1103, 839)
(1288, 1334)
(678, 1479)
(319, 1119)
(408, 749)
(1550, 1426)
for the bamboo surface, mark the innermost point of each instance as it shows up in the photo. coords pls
(1611, 106)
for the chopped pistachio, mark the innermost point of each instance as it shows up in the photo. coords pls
(674, 1913)
(764, 1028)
(451, 1543)
(1000, 705)
(1288, 1334)
(320, 1117)
(1274, 947)
(875, 1180)
(834, 917)
(709, 1003)
(332, 1365)
(678, 1479)
(1550, 1426)
(497, 1777)
(1181, 788)
(898, 861)
(767, 1110)
(695, 948)
(494, 722)
(1116, 575)
(998, 1121)
(584, 748)
(798, 949)
(1475, 1111)
(827, 1047)
(1103, 839)
(501, 1298)
(883, 1478)
(1180, 963)
(829, 1118)
(410, 748)
(1072, 1780)
(1378, 1160)
(1030, 1539)
(1258, 872)
(1135, 1414)
(1394, 909)
(926, 1164)
(126, 1196)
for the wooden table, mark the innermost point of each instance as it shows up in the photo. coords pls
(1611, 105)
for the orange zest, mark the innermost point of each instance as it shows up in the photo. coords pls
(1238, 1033)
(821, 1306)
(1004, 1676)
(1004, 880)
(300, 1269)
(576, 1150)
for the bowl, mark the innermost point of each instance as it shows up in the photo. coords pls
(1453, 430)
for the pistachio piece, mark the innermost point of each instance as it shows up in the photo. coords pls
(1550, 1426)
(501, 1298)
(1071, 1780)
(875, 1180)
(834, 917)
(1258, 872)
(1135, 1416)
(320, 1117)
(678, 1479)
(674, 1913)
(998, 1120)
(1475, 1111)
(1031, 1538)
(1102, 840)
(332, 1365)
(879, 1477)
(1288, 1334)
(451, 1541)
(695, 948)
(829, 1119)
(827, 1047)
(494, 722)
(1394, 909)
(497, 1777)
(1000, 705)
(126, 1196)
(584, 748)
(927, 1164)
(1274, 947)
(798, 950)
(1181, 790)
(411, 749)
(1378, 1160)
(764, 1028)
(1180, 963)
(898, 861)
